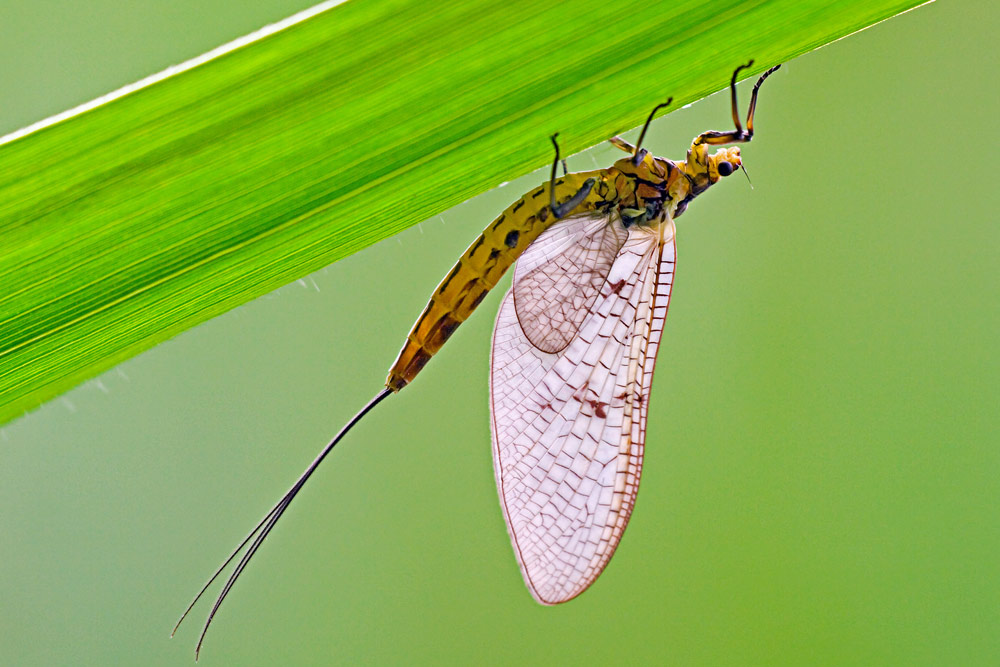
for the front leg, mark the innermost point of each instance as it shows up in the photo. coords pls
(739, 135)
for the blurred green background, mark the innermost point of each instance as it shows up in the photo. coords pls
(822, 478)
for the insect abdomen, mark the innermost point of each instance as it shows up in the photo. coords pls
(477, 272)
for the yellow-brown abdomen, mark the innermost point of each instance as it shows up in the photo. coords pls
(479, 269)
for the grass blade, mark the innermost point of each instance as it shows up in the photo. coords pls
(125, 225)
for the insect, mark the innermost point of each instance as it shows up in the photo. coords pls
(573, 351)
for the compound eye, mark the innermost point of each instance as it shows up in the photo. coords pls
(725, 168)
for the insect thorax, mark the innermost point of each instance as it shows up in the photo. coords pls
(657, 189)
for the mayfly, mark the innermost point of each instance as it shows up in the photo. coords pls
(573, 351)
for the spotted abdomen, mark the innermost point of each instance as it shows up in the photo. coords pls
(478, 270)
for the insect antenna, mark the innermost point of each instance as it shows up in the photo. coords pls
(266, 525)
(639, 153)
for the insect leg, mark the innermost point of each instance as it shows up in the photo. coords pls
(732, 89)
(560, 210)
(739, 135)
(552, 179)
(618, 142)
(639, 153)
(753, 97)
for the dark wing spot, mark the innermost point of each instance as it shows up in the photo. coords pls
(616, 288)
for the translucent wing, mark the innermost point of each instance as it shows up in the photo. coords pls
(569, 426)
(560, 275)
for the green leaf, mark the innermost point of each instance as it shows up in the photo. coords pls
(125, 225)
